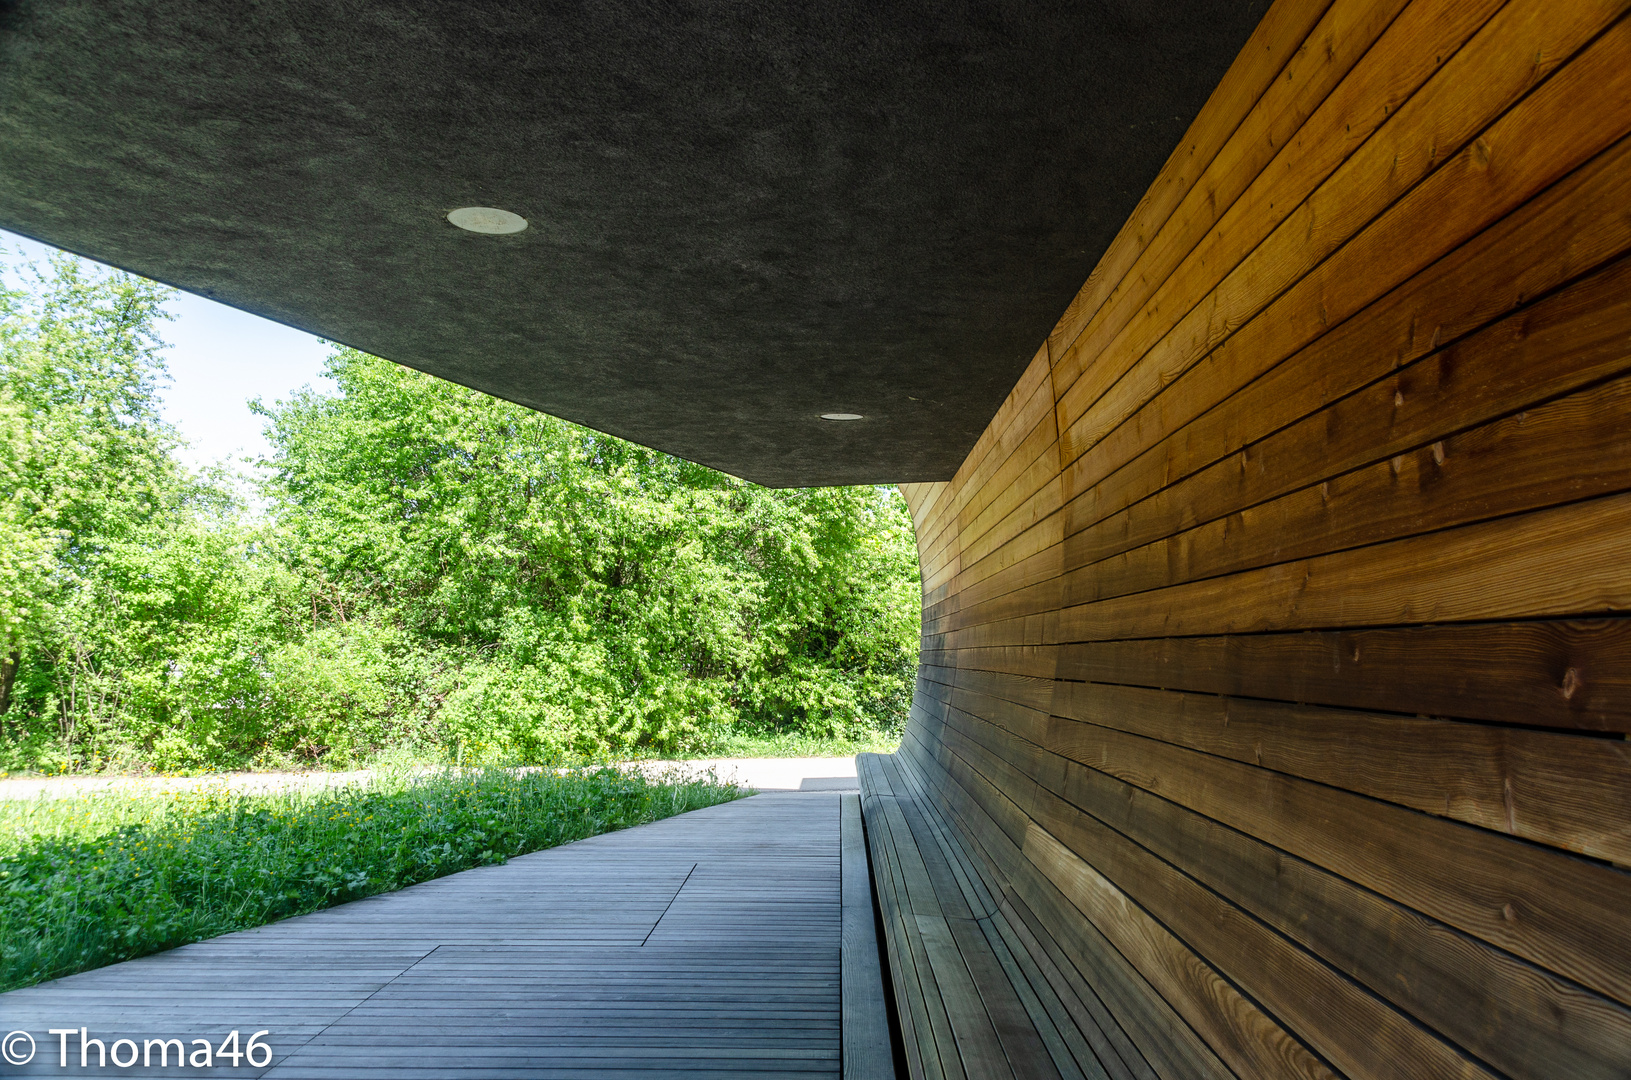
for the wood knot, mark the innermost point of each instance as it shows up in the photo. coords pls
(1481, 153)
(1571, 683)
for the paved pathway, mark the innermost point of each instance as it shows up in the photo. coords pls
(763, 774)
(781, 774)
(705, 944)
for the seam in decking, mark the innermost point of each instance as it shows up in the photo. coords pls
(670, 905)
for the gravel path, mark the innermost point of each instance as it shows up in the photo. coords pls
(764, 774)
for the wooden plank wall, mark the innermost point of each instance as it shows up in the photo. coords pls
(1274, 659)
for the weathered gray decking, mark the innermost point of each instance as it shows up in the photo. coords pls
(706, 943)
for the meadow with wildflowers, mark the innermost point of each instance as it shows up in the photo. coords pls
(92, 880)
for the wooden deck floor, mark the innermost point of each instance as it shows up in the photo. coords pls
(704, 944)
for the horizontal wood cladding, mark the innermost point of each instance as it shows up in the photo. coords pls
(1276, 671)
(1556, 674)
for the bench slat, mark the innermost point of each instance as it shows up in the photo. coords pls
(1024, 1025)
(990, 992)
(924, 1023)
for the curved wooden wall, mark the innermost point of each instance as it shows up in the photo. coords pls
(1272, 657)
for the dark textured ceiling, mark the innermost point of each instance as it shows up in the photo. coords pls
(742, 215)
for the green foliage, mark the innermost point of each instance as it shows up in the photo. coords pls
(87, 460)
(26, 548)
(429, 568)
(92, 881)
(600, 596)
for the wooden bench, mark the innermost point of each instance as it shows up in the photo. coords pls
(981, 988)
(971, 1000)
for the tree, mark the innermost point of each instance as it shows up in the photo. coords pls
(26, 549)
(87, 461)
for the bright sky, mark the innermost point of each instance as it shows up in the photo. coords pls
(219, 358)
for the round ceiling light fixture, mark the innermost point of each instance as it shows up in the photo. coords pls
(840, 416)
(487, 219)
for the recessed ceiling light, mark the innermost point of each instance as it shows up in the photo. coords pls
(487, 219)
(840, 416)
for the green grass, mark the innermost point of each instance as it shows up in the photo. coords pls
(95, 879)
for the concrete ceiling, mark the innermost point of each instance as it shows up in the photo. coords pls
(741, 214)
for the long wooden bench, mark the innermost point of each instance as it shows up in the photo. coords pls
(978, 994)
